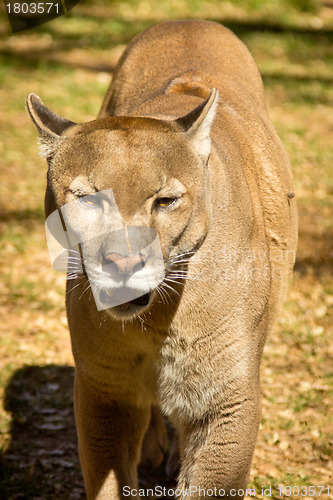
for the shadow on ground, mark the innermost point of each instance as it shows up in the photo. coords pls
(42, 461)
(315, 255)
(111, 32)
(42, 457)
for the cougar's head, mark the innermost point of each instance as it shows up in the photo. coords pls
(128, 199)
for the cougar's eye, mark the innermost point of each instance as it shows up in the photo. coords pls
(90, 200)
(165, 202)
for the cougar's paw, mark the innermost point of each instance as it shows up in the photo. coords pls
(155, 443)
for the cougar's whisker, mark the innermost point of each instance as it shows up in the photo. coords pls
(170, 287)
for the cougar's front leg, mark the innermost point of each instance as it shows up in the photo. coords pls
(217, 451)
(110, 436)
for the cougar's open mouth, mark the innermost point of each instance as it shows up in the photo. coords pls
(108, 298)
(141, 301)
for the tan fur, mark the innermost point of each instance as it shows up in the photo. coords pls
(195, 350)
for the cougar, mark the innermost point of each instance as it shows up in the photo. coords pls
(178, 208)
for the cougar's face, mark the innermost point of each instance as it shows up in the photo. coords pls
(135, 207)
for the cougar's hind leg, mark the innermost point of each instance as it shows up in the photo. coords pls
(155, 443)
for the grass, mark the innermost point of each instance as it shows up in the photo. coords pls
(67, 63)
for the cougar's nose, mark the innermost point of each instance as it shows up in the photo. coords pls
(126, 265)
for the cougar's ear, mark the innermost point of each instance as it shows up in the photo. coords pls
(198, 122)
(50, 126)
